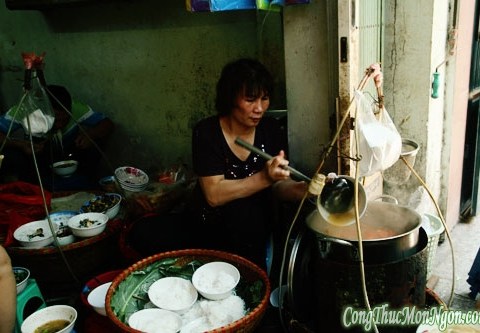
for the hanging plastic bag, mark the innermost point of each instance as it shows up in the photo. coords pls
(35, 111)
(380, 144)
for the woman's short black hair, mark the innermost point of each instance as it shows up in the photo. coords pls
(59, 97)
(244, 75)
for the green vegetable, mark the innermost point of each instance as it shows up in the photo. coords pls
(132, 293)
(251, 293)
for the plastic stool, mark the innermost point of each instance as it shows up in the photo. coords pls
(28, 301)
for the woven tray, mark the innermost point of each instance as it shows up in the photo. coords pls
(249, 271)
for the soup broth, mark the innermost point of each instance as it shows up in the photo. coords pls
(52, 326)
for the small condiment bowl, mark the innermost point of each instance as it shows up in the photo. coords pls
(65, 168)
(216, 280)
(22, 275)
(88, 224)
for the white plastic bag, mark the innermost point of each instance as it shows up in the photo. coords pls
(380, 144)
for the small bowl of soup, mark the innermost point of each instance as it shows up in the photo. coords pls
(65, 168)
(52, 319)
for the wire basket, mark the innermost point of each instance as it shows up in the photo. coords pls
(434, 227)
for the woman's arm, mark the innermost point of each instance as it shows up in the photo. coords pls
(219, 191)
(290, 190)
(8, 286)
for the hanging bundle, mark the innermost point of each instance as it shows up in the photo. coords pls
(35, 111)
(380, 144)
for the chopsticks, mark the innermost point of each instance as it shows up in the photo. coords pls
(267, 157)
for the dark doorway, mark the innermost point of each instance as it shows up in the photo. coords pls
(471, 162)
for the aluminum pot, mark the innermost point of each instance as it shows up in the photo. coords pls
(389, 233)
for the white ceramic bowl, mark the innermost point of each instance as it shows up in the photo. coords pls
(64, 233)
(131, 178)
(108, 203)
(88, 224)
(22, 275)
(216, 280)
(173, 293)
(97, 296)
(35, 235)
(50, 314)
(155, 320)
(65, 168)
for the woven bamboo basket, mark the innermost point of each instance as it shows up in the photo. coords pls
(248, 271)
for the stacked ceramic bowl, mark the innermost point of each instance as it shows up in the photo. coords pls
(132, 179)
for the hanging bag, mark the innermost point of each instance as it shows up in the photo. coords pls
(380, 144)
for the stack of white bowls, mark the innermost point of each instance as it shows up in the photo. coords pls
(131, 179)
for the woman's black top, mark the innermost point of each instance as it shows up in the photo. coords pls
(241, 226)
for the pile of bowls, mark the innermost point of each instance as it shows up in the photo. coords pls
(65, 168)
(55, 318)
(88, 224)
(132, 179)
(108, 203)
(35, 235)
(22, 275)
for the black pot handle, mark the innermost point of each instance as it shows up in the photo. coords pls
(335, 240)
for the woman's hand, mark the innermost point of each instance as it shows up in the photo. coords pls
(276, 168)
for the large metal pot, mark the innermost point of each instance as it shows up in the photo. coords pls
(389, 233)
(319, 289)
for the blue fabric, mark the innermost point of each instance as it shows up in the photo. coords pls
(474, 277)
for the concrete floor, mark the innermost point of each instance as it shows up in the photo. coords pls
(465, 238)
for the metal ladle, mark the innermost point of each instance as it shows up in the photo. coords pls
(340, 219)
(267, 157)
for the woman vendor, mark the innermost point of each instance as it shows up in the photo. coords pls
(232, 202)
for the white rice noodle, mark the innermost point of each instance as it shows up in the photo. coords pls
(207, 315)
